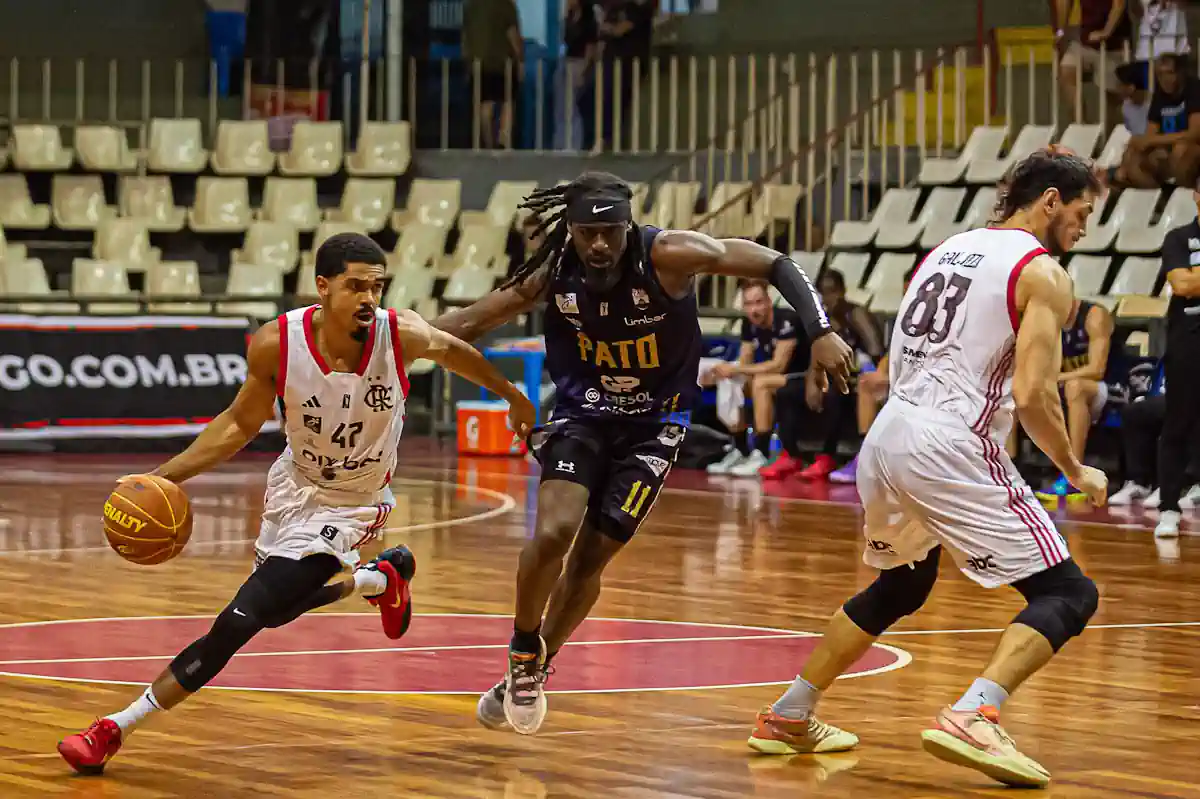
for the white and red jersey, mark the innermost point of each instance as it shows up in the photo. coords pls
(342, 427)
(954, 342)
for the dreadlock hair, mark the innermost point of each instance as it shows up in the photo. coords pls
(1051, 167)
(543, 203)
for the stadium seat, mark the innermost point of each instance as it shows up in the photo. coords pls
(254, 280)
(1180, 209)
(978, 213)
(78, 203)
(102, 278)
(10, 251)
(810, 262)
(502, 205)
(430, 202)
(641, 191)
(17, 210)
(469, 282)
(384, 150)
(27, 277)
(732, 218)
(316, 150)
(480, 245)
(1114, 148)
(985, 142)
(942, 203)
(175, 279)
(886, 282)
(1135, 306)
(1136, 276)
(418, 245)
(1088, 273)
(989, 169)
(674, 205)
(292, 201)
(103, 148)
(1133, 210)
(324, 231)
(273, 244)
(411, 284)
(367, 202)
(243, 148)
(851, 265)
(39, 148)
(125, 242)
(149, 199)
(176, 145)
(222, 206)
(895, 209)
(773, 211)
(1081, 139)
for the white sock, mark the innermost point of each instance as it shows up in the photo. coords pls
(798, 701)
(131, 716)
(982, 692)
(369, 583)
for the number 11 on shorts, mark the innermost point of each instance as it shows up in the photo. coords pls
(637, 498)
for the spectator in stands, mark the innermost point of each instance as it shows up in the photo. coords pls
(581, 41)
(1162, 30)
(770, 357)
(491, 37)
(626, 32)
(1181, 369)
(1170, 148)
(1090, 35)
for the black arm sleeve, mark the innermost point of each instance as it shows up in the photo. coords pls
(798, 290)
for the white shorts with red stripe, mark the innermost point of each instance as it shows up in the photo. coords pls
(300, 519)
(925, 479)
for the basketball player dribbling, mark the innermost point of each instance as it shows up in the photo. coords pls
(339, 370)
(623, 348)
(978, 334)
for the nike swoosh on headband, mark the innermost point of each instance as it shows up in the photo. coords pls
(598, 208)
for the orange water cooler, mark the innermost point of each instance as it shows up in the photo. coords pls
(483, 429)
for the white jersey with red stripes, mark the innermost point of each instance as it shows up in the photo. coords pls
(342, 427)
(954, 342)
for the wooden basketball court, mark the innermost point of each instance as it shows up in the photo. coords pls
(702, 618)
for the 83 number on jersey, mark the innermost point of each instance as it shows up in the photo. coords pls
(922, 318)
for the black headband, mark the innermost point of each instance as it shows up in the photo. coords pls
(599, 209)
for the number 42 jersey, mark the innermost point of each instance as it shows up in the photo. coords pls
(954, 343)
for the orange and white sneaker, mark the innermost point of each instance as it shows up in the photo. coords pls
(975, 739)
(775, 735)
(87, 752)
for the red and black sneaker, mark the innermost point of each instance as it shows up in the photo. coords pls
(88, 751)
(395, 603)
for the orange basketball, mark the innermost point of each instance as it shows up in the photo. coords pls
(147, 519)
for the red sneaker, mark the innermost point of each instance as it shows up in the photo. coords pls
(88, 751)
(784, 466)
(820, 469)
(395, 603)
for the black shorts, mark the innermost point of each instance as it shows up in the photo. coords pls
(622, 462)
(493, 86)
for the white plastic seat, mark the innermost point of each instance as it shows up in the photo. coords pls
(895, 209)
(674, 205)
(1179, 210)
(984, 142)
(985, 169)
(480, 245)
(27, 277)
(367, 202)
(176, 145)
(502, 205)
(1136, 276)
(272, 244)
(316, 150)
(886, 282)
(175, 279)
(222, 206)
(469, 282)
(39, 148)
(243, 148)
(77, 202)
(773, 210)
(125, 242)
(411, 284)
(851, 265)
(102, 278)
(979, 211)
(292, 201)
(942, 203)
(1081, 139)
(324, 231)
(1114, 149)
(10, 251)
(384, 150)
(731, 201)
(306, 281)
(252, 280)
(1134, 209)
(17, 210)
(150, 200)
(103, 148)
(1088, 273)
(418, 245)
(430, 202)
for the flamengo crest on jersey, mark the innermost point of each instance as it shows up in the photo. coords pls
(954, 343)
(342, 427)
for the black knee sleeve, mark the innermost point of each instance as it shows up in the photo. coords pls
(204, 658)
(1061, 600)
(895, 593)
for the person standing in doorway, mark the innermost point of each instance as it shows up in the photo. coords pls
(494, 52)
(581, 42)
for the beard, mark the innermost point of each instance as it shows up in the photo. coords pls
(1054, 239)
(601, 279)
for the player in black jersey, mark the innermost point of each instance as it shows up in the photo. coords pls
(623, 349)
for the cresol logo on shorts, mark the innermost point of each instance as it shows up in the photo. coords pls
(121, 371)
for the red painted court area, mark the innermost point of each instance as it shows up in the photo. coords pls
(451, 653)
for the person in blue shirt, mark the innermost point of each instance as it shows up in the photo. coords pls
(1170, 148)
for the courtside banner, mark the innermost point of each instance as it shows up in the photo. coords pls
(117, 376)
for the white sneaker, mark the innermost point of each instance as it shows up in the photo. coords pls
(1130, 493)
(1152, 500)
(750, 465)
(489, 711)
(1193, 495)
(1168, 524)
(732, 458)
(1185, 502)
(524, 690)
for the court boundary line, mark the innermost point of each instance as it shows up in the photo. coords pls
(902, 657)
